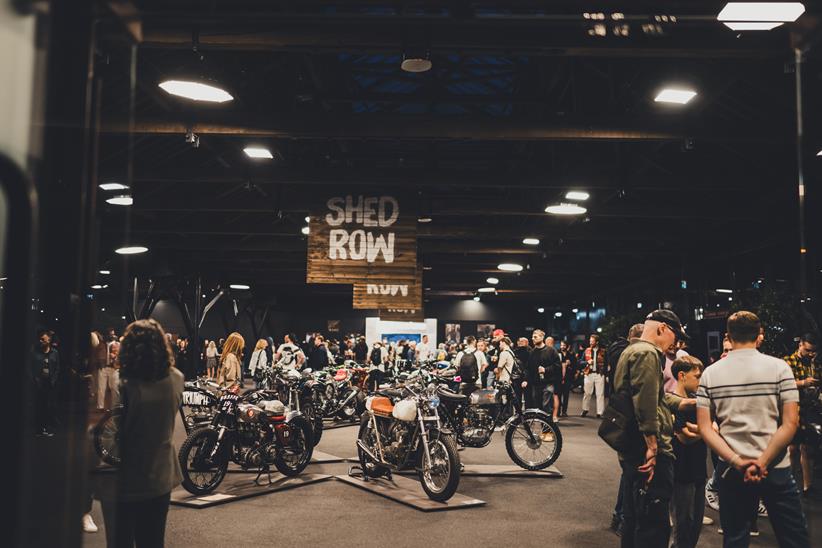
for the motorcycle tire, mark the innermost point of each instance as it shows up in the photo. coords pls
(369, 468)
(548, 428)
(106, 436)
(348, 411)
(314, 417)
(300, 428)
(199, 440)
(448, 447)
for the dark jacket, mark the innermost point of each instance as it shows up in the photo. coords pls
(571, 369)
(522, 353)
(360, 352)
(318, 359)
(42, 361)
(546, 357)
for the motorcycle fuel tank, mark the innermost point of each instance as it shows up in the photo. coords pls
(485, 396)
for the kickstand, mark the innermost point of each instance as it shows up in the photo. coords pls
(264, 469)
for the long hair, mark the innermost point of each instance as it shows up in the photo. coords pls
(260, 344)
(234, 344)
(145, 353)
(212, 345)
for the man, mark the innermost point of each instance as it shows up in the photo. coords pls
(754, 400)
(568, 363)
(690, 469)
(470, 363)
(648, 470)
(360, 351)
(493, 356)
(424, 351)
(319, 358)
(671, 354)
(377, 360)
(289, 355)
(108, 377)
(487, 375)
(594, 376)
(521, 353)
(45, 372)
(806, 376)
(540, 373)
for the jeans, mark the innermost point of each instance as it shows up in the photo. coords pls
(564, 396)
(739, 500)
(687, 509)
(548, 399)
(645, 508)
(141, 523)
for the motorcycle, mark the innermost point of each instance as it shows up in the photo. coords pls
(298, 388)
(401, 428)
(343, 395)
(250, 431)
(533, 441)
(199, 403)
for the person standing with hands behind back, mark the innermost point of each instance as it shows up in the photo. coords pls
(755, 402)
(152, 392)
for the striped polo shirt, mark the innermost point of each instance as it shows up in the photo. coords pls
(745, 392)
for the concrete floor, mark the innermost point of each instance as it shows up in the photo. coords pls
(573, 511)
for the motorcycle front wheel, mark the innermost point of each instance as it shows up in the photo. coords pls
(309, 409)
(107, 437)
(538, 450)
(294, 457)
(201, 474)
(441, 480)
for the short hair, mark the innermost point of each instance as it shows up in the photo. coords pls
(686, 364)
(322, 339)
(470, 339)
(809, 338)
(540, 331)
(506, 340)
(743, 327)
(636, 330)
(145, 353)
(595, 336)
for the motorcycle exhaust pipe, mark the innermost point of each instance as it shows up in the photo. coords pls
(367, 451)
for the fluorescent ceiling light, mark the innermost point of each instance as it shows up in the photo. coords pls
(752, 25)
(105, 272)
(239, 286)
(724, 291)
(424, 220)
(761, 11)
(131, 250)
(196, 91)
(565, 209)
(510, 267)
(305, 230)
(258, 152)
(557, 314)
(97, 286)
(676, 96)
(575, 310)
(492, 281)
(113, 186)
(486, 290)
(540, 310)
(123, 200)
(577, 195)
(476, 299)
(427, 267)
(531, 241)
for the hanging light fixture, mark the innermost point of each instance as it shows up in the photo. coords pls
(113, 186)
(416, 63)
(196, 91)
(122, 200)
(510, 267)
(565, 209)
(131, 250)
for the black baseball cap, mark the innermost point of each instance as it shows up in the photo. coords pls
(669, 318)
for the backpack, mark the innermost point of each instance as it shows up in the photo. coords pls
(376, 356)
(516, 369)
(468, 367)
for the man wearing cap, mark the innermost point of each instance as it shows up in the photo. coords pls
(648, 469)
(493, 357)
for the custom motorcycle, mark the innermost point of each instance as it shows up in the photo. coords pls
(299, 390)
(343, 395)
(532, 439)
(200, 398)
(401, 429)
(250, 431)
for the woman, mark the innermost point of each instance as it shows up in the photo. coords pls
(230, 369)
(211, 360)
(259, 360)
(152, 391)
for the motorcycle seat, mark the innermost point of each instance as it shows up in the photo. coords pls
(447, 395)
(389, 392)
(382, 406)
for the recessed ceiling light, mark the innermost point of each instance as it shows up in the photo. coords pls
(761, 11)
(557, 314)
(580, 195)
(476, 299)
(239, 286)
(416, 64)
(424, 220)
(540, 310)
(565, 209)
(486, 290)
(752, 25)
(427, 267)
(575, 310)
(123, 200)
(105, 272)
(492, 281)
(113, 186)
(675, 96)
(258, 152)
(308, 219)
(530, 241)
(305, 230)
(196, 91)
(510, 267)
(131, 250)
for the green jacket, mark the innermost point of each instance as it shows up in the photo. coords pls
(642, 362)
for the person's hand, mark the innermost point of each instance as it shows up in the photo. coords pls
(541, 369)
(811, 381)
(494, 358)
(688, 433)
(524, 384)
(650, 464)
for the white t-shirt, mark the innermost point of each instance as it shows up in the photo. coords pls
(745, 392)
(481, 362)
(423, 352)
(288, 353)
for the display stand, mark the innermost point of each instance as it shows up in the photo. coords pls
(502, 471)
(240, 487)
(318, 457)
(405, 491)
(340, 424)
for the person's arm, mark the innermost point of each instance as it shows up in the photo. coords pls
(783, 435)
(717, 443)
(300, 357)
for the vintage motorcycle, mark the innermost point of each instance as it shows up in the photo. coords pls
(199, 404)
(343, 395)
(298, 390)
(250, 431)
(401, 429)
(533, 441)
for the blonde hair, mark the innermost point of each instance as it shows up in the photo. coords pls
(211, 344)
(260, 344)
(234, 344)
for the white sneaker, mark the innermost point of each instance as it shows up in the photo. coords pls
(88, 524)
(712, 499)
(707, 520)
(754, 533)
(762, 511)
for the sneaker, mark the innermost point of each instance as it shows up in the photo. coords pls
(712, 499)
(616, 521)
(762, 511)
(754, 532)
(720, 531)
(88, 524)
(707, 521)
(585, 413)
(599, 415)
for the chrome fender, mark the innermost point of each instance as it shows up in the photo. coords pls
(534, 411)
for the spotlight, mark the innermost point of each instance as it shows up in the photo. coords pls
(196, 91)
(239, 286)
(675, 96)
(258, 153)
(510, 267)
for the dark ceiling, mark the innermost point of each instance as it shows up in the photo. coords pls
(522, 104)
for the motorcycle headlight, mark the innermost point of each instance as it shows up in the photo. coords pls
(434, 402)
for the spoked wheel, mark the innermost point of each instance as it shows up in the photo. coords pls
(533, 442)
(107, 437)
(307, 408)
(440, 480)
(369, 438)
(202, 473)
(294, 457)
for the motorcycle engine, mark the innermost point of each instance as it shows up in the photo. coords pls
(478, 426)
(399, 435)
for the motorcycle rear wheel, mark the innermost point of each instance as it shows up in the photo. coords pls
(201, 477)
(366, 434)
(533, 455)
(107, 437)
(442, 481)
(292, 459)
(309, 409)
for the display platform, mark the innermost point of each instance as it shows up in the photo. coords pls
(318, 457)
(502, 471)
(240, 487)
(409, 492)
(333, 425)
